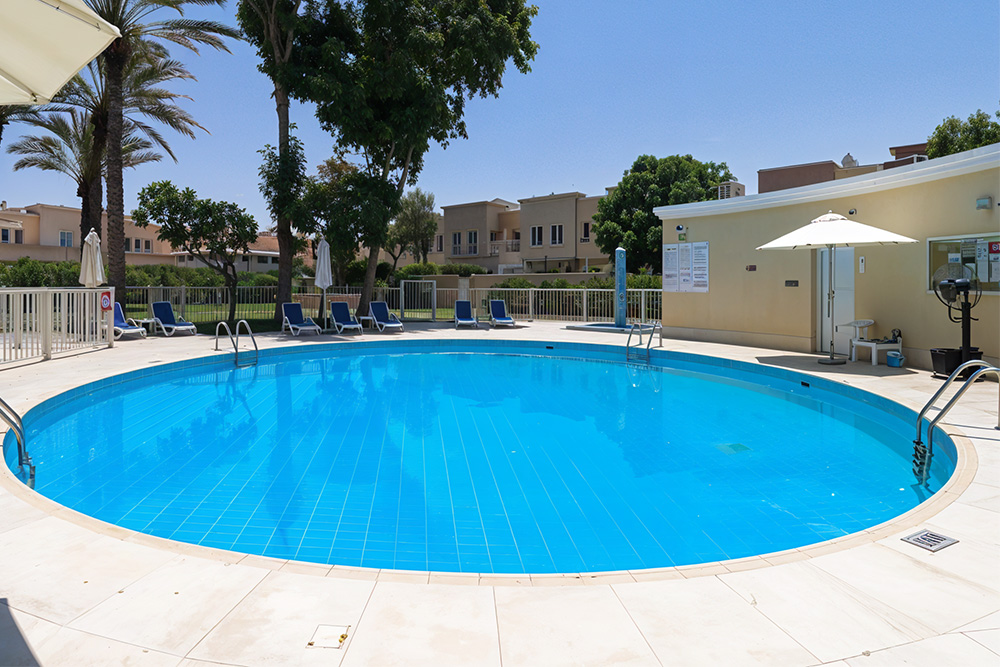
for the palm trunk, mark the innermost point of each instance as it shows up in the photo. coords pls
(83, 192)
(115, 60)
(285, 238)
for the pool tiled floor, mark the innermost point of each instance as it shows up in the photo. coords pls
(75, 591)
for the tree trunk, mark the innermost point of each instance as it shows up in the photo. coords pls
(368, 288)
(115, 59)
(232, 283)
(284, 224)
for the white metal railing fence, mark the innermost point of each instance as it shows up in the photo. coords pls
(211, 304)
(40, 322)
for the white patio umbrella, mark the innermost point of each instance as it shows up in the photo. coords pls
(831, 230)
(45, 43)
(324, 273)
(91, 263)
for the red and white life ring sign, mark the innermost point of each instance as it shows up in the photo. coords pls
(105, 301)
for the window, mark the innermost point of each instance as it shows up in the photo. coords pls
(137, 245)
(18, 236)
(586, 233)
(556, 235)
(246, 258)
(439, 243)
(147, 246)
(974, 256)
(473, 236)
(65, 239)
(4, 236)
(456, 243)
(262, 260)
(536, 236)
(181, 259)
(128, 244)
(274, 260)
(493, 237)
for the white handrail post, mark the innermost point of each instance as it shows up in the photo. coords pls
(642, 313)
(45, 322)
(531, 304)
(586, 314)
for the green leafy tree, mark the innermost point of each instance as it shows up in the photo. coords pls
(270, 25)
(330, 209)
(390, 77)
(69, 150)
(954, 136)
(625, 217)
(416, 223)
(395, 246)
(217, 233)
(137, 22)
(283, 183)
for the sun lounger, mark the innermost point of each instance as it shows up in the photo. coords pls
(295, 322)
(340, 315)
(463, 314)
(163, 317)
(125, 327)
(383, 319)
(498, 313)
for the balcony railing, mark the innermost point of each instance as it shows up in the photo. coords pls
(497, 247)
(465, 251)
(584, 239)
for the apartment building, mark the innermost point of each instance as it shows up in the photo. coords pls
(798, 175)
(484, 233)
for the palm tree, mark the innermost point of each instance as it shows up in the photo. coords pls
(69, 149)
(143, 99)
(131, 17)
(15, 113)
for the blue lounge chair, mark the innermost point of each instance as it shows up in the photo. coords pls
(163, 317)
(123, 326)
(498, 313)
(379, 312)
(295, 322)
(463, 314)
(340, 315)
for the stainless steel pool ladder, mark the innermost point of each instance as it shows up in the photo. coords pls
(640, 327)
(236, 342)
(922, 454)
(13, 420)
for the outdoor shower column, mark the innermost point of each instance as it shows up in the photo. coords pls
(620, 309)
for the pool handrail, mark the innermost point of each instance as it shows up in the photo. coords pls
(951, 378)
(13, 420)
(236, 343)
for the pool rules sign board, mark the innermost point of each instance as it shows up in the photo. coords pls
(685, 267)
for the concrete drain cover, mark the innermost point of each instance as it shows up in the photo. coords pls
(329, 636)
(930, 541)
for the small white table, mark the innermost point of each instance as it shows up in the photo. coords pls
(362, 319)
(860, 339)
(147, 323)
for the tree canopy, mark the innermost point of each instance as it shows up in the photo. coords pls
(416, 223)
(217, 233)
(955, 136)
(390, 77)
(625, 217)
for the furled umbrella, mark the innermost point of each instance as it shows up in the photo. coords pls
(45, 43)
(831, 230)
(91, 263)
(324, 274)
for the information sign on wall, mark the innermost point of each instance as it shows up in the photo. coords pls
(685, 267)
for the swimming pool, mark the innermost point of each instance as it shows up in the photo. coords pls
(467, 457)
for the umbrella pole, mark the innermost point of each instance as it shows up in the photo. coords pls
(829, 306)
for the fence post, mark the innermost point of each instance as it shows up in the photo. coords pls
(183, 299)
(586, 313)
(109, 319)
(642, 315)
(46, 323)
(531, 304)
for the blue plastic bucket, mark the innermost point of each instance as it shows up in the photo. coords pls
(894, 359)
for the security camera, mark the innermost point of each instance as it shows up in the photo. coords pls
(853, 211)
(680, 228)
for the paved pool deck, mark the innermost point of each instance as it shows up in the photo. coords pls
(76, 591)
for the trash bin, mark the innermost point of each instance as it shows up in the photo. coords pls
(894, 359)
(946, 359)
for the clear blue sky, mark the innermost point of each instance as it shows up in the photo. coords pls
(755, 85)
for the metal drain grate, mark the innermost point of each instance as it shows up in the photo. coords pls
(329, 636)
(930, 541)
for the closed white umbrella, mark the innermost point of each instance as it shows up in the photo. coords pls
(45, 43)
(324, 273)
(831, 230)
(91, 263)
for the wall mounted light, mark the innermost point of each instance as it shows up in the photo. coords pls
(984, 203)
(853, 211)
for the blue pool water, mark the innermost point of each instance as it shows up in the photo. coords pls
(429, 457)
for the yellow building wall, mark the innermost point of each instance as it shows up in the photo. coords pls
(755, 308)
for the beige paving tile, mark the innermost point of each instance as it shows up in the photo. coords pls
(703, 621)
(431, 624)
(455, 578)
(983, 496)
(14, 512)
(933, 652)
(311, 569)
(174, 607)
(960, 520)
(505, 580)
(21, 634)
(941, 601)
(988, 638)
(828, 617)
(584, 625)
(71, 648)
(58, 571)
(988, 622)
(970, 559)
(290, 606)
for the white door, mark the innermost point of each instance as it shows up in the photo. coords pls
(843, 302)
